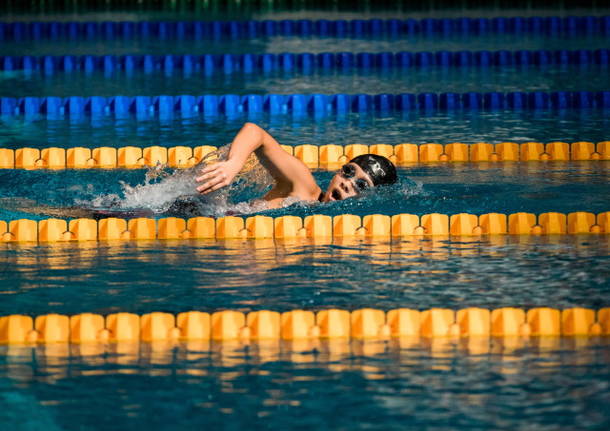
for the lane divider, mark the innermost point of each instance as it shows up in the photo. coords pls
(366, 323)
(208, 64)
(329, 156)
(297, 105)
(236, 30)
(315, 227)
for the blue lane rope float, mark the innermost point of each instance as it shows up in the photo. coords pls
(209, 64)
(298, 105)
(358, 28)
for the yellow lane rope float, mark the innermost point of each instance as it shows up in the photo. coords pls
(366, 323)
(318, 227)
(315, 157)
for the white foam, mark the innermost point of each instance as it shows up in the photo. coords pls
(412, 188)
(161, 188)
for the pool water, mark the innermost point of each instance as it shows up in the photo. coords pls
(570, 125)
(417, 80)
(176, 276)
(423, 189)
(279, 44)
(543, 384)
(439, 383)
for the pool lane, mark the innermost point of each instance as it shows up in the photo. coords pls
(418, 127)
(19, 83)
(423, 189)
(522, 271)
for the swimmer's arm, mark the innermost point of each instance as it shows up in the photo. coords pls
(289, 173)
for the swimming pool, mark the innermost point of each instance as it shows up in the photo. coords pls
(445, 375)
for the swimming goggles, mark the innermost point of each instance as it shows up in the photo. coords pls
(349, 172)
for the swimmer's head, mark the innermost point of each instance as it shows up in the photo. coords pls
(359, 174)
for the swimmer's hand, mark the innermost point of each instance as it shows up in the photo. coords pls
(217, 175)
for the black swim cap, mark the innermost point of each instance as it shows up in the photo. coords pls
(379, 168)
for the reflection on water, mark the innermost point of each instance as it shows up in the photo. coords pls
(53, 361)
(492, 383)
(174, 276)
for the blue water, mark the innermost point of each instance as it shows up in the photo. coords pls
(433, 79)
(550, 384)
(419, 128)
(543, 385)
(280, 44)
(423, 189)
(175, 276)
(245, 11)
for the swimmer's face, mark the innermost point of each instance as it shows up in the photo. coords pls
(350, 181)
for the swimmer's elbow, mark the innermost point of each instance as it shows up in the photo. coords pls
(255, 133)
(252, 127)
(260, 135)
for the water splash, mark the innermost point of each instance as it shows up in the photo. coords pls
(166, 190)
(409, 188)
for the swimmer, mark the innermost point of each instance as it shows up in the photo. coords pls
(292, 177)
(292, 181)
